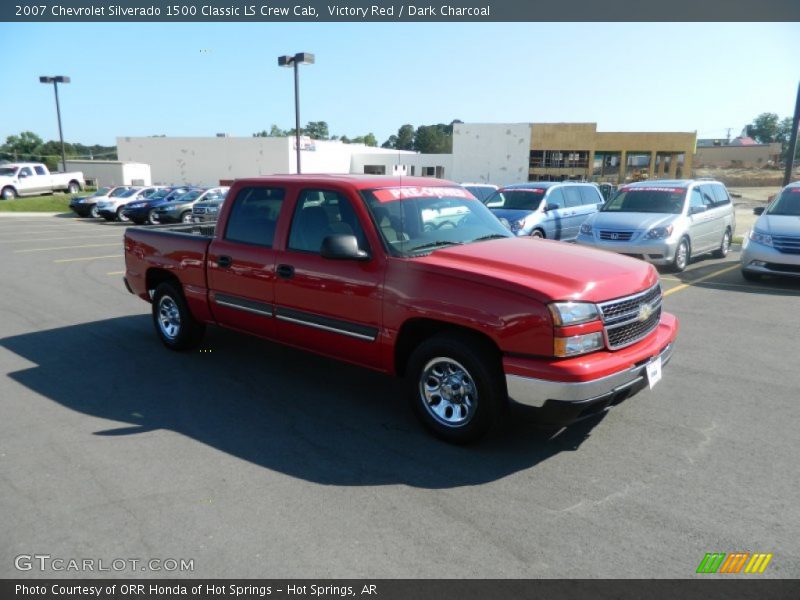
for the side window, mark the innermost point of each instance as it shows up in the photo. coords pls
(708, 196)
(254, 215)
(696, 199)
(318, 214)
(590, 195)
(39, 170)
(25, 172)
(556, 196)
(721, 194)
(572, 196)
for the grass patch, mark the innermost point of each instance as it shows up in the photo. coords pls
(50, 203)
(737, 239)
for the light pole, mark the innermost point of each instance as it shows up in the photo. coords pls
(301, 58)
(55, 81)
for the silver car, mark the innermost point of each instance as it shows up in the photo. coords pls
(664, 222)
(772, 247)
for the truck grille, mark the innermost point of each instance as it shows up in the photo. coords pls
(786, 244)
(630, 319)
(616, 236)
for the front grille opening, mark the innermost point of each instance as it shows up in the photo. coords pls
(622, 318)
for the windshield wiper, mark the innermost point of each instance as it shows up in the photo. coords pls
(436, 244)
(491, 236)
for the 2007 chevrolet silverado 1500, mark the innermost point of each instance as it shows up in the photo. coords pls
(416, 278)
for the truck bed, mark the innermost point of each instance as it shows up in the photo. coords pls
(180, 250)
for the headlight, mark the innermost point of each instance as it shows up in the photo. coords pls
(659, 233)
(573, 313)
(212, 209)
(517, 225)
(761, 237)
(586, 228)
(577, 344)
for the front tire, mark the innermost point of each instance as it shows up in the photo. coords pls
(537, 233)
(724, 246)
(455, 386)
(94, 213)
(9, 193)
(120, 217)
(186, 217)
(151, 217)
(175, 325)
(682, 255)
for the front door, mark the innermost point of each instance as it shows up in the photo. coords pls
(332, 307)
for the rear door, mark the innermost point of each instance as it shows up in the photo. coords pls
(577, 211)
(332, 307)
(41, 180)
(700, 228)
(241, 262)
(715, 215)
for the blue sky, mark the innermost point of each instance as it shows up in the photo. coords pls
(193, 79)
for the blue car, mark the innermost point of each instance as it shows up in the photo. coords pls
(546, 209)
(144, 211)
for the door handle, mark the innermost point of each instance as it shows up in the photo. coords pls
(223, 262)
(285, 271)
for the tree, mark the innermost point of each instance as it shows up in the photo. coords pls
(434, 139)
(765, 128)
(316, 130)
(368, 140)
(404, 140)
(22, 146)
(274, 131)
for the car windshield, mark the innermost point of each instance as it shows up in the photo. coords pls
(127, 193)
(647, 200)
(159, 194)
(416, 220)
(787, 204)
(102, 191)
(481, 192)
(528, 199)
(118, 192)
(190, 196)
(7, 171)
(175, 194)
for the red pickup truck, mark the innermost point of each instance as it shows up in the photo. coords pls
(416, 278)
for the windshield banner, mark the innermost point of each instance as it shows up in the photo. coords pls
(403, 193)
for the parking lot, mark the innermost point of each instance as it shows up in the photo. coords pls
(255, 460)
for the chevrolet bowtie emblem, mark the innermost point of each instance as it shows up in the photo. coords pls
(645, 310)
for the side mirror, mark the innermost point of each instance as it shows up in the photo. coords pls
(693, 210)
(22, 175)
(758, 210)
(550, 206)
(342, 246)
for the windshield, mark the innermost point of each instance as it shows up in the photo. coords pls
(175, 194)
(127, 193)
(481, 192)
(416, 220)
(118, 192)
(190, 196)
(159, 194)
(647, 200)
(528, 199)
(787, 204)
(102, 191)
(7, 171)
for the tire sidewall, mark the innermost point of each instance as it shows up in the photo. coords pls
(675, 264)
(120, 217)
(8, 193)
(150, 220)
(482, 369)
(190, 330)
(93, 212)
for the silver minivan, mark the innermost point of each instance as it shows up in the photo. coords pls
(664, 222)
(772, 247)
(553, 210)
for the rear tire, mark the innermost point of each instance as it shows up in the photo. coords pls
(724, 246)
(456, 387)
(682, 255)
(175, 325)
(73, 188)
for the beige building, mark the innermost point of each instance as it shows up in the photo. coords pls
(749, 156)
(579, 151)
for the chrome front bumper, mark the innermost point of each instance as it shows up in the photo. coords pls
(537, 392)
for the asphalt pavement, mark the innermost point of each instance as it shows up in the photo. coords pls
(253, 460)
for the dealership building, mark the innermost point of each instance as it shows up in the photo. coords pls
(499, 153)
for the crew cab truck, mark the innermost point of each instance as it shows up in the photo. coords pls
(415, 278)
(33, 179)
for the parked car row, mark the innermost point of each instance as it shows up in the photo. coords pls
(151, 204)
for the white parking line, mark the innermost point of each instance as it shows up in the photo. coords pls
(69, 237)
(116, 273)
(66, 260)
(64, 248)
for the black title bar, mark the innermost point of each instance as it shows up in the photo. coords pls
(441, 10)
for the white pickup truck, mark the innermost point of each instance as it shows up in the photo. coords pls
(33, 179)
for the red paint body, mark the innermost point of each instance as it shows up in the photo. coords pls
(499, 288)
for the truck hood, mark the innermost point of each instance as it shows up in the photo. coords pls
(545, 269)
(779, 225)
(630, 220)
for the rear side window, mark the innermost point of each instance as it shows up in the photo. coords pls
(39, 170)
(708, 196)
(590, 195)
(556, 197)
(254, 215)
(720, 194)
(572, 196)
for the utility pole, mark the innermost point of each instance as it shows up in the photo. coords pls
(787, 174)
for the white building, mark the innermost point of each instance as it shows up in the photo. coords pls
(209, 160)
(112, 172)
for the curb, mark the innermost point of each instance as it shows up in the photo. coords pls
(13, 215)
